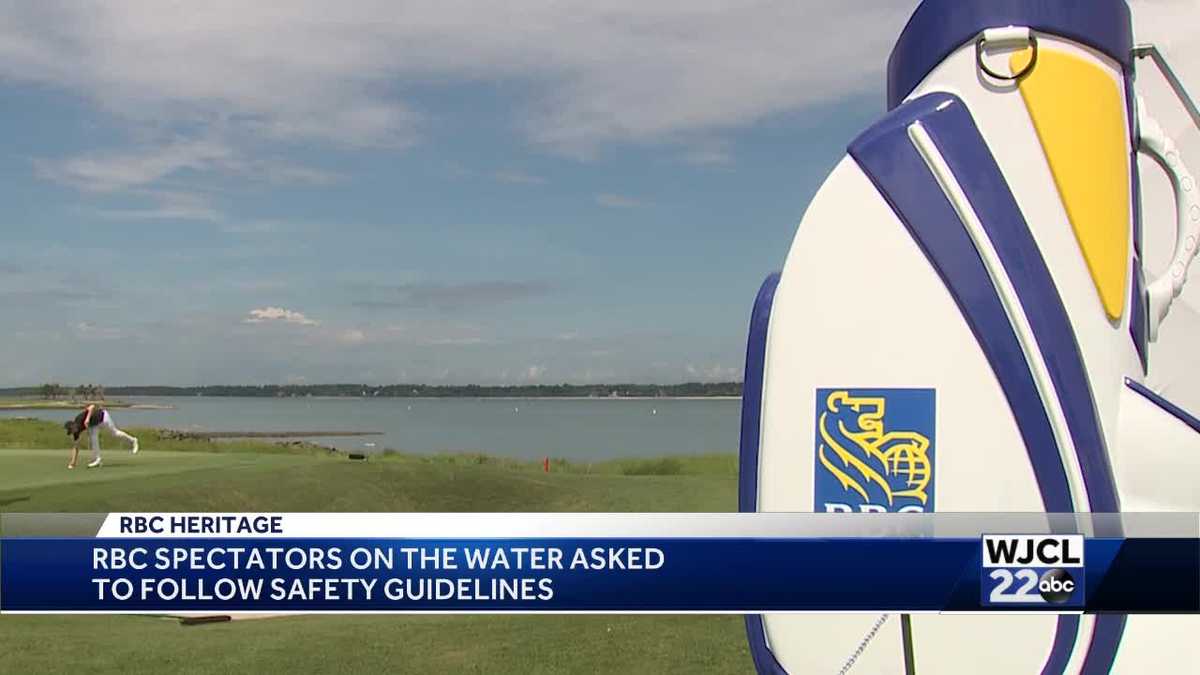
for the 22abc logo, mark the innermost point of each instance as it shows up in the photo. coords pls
(1032, 570)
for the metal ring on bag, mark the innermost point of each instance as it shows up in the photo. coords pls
(981, 40)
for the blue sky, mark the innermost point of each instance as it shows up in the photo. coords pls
(423, 192)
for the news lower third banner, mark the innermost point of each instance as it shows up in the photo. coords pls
(678, 563)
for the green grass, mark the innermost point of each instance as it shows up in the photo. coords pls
(202, 475)
(362, 644)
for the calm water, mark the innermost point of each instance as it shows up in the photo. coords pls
(526, 428)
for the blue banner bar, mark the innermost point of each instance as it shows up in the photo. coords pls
(593, 574)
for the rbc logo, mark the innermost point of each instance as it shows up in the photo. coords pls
(874, 451)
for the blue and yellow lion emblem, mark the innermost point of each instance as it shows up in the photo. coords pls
(875, 450)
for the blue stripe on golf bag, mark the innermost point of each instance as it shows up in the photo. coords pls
(756, 350)
(956, 136)
(889, 159)
(967, 154)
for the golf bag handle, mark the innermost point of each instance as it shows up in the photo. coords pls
(1153, 141)
(1163, 290)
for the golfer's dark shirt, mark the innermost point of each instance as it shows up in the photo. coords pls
(97, 419)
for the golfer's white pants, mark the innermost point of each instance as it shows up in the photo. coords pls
(94, 434)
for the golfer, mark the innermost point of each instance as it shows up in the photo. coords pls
(92, 418)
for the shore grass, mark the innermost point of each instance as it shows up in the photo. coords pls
(54, 404)
(32, 433)
(172, 474)
(28, 433)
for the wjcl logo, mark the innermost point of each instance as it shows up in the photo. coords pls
(1032, 569)
(874, 450)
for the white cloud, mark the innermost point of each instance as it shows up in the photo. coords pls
(256, 227)
(168, 205)
(623, 70)
(533, 373)
(123, 170)
(436, 332)
(270, 314)
(714, 373)
(281, 173)
(87, 330)
(141, 172)
(711, 153)
(516, 177)
(455, 341)
(592, 73)
(616, 201)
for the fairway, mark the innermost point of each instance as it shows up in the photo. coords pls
(28, 470)
(206, 476)
(377, 644)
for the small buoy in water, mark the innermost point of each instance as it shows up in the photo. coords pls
(369, 445)
(654, 411)
(516, 410)
(410, 407)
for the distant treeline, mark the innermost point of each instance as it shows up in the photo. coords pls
(425, 390)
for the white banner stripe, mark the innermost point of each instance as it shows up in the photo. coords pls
(622, 525)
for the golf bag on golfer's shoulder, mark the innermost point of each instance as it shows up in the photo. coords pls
(966, 289)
